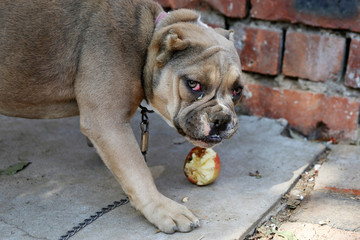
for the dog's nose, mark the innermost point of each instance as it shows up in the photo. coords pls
(219, 123)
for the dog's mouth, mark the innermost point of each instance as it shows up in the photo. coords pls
(213, 139)
(205, 142)
(202, 138)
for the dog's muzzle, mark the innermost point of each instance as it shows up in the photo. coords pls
(219, 125)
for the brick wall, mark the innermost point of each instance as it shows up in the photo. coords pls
(300, 58)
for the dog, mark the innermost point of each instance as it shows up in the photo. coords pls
(99, 60)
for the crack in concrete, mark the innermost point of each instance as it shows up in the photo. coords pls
(22, 230)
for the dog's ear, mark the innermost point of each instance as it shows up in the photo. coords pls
(171, 43)
(229, 34)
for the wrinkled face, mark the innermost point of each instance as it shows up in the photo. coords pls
(197, 88)
(207, 93)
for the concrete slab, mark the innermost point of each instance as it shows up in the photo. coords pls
(336, 196)
(334, 210)
(316, 232)
(67, 181)
(341, 172)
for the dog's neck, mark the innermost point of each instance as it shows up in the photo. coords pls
(160, 17)
(162, 23)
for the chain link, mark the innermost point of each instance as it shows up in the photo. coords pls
(92, 218)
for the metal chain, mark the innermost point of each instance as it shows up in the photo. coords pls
(144, 125)
(92, 218)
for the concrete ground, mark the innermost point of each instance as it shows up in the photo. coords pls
(332, 209)
(67, 182)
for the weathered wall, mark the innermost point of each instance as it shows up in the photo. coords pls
(301, 58)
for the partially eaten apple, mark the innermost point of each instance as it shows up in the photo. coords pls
(202, 166)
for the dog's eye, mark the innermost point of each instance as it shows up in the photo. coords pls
(194, 85)
(237, 91)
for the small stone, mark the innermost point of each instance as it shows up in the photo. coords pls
(185, 199)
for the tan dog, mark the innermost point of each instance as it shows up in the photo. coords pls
(100, 59)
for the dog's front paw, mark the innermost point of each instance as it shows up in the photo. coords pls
(170, 216)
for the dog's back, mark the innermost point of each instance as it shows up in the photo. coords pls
(41, 44)
(39, 51)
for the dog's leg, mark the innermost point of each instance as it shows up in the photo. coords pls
(105, 120)
(120, 151)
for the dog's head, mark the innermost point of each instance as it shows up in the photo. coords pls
(193, 78)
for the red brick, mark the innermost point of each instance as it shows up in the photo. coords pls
(352, 78)
(328, 17)
(304, 110)
(230, 8)
(259, 48)
(313, 56)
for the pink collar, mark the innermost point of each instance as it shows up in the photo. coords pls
(160, 17)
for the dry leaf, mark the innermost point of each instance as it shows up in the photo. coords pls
(13, 169)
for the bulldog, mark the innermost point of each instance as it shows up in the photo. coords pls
(99, 60)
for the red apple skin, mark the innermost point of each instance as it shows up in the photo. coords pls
(200, 152)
